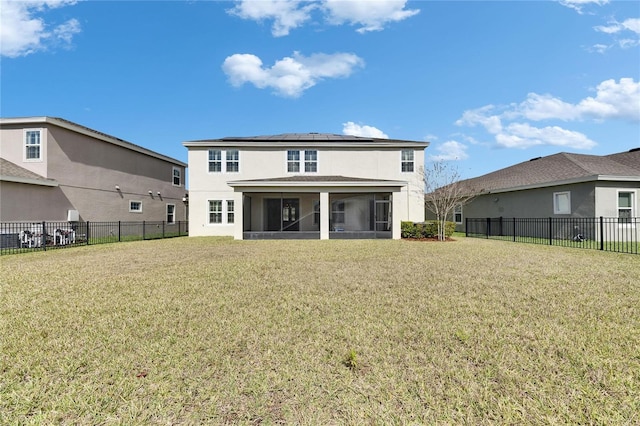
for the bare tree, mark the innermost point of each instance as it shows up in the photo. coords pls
(444, 190)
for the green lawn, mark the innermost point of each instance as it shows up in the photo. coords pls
(206, 330)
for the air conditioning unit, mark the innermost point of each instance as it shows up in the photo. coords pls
(73, 216)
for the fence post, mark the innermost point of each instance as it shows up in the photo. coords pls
(488, 229)
(88, 227)
(119, 231)
(44, 236)
(500, 227)
(514, 229)
(601, 233)
(163, 229)
(550, 232)
(143, 230)
(466, 226)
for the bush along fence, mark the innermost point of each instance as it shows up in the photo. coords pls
(19, 237)
(428, 229)
(598, 233)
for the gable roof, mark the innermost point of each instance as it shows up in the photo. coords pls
(560, 169)
(11, 172)
(306, 139)
(69, 125)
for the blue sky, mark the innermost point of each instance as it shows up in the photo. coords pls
(489, 84)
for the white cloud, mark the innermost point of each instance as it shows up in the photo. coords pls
(286, 14)
(523, 135)
(614, 27)
(492, 123)
(353, 129)
(370, 15)
(24, 31)
(578, 5)
(450, 151)
(290, 76)
(613, 100)
(290, 14)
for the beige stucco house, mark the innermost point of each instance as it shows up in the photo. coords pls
(54, 170)
(304, 185)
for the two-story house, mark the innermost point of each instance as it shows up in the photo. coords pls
(54, 170)
(304, 185)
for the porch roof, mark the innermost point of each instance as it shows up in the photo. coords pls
(317, 181)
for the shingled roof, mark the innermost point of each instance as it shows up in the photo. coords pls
(558, 169)
(307, 139)
(11, 172)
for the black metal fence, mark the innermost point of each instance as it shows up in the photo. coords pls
(20, 237)
(598, 233)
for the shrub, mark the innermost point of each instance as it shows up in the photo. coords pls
(428, 229)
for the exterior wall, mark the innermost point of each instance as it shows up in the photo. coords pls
(607, 198)
(271, 162)
(33, 203)
(87, 170)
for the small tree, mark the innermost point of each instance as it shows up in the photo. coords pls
(444, 191)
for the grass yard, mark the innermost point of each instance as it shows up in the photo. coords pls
(206, 330)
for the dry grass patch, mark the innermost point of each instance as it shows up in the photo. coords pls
(206, 330)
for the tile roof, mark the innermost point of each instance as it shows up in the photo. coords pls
(559, 168)
(13, 172)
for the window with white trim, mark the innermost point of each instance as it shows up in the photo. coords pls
(215, 211)
(231, 163)
(407, 160)
(233, 160)
(310, 161)
(219, 210)
(171, 213)
(562, 202)
(33, 145)
(457, 214)
(230, 211)
(625, 206)
(135, 206)
(177, 176)
(293, 161)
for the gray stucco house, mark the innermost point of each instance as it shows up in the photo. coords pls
(562, 185)
(55, 170)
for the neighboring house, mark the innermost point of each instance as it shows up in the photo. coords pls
(306, 185)
(54, 170)
(562, 185)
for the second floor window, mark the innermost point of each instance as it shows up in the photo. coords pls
(177, 180)
(32, 145)
(310, 161)
(231, 163)
(407, 160)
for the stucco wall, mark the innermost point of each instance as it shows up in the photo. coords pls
(87, 170)
(263, 163)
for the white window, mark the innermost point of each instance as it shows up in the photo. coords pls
(407, 160)
(171, 213)
(135, 206)
(625, 206)
(293, 161)
(217, 211)
(310, 161)
(457, 214)
(230, 165)
(33, 145)
(177, 177)
(562, 202)
(233, 160)
(230, 211)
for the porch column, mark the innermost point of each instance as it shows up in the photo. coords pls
(324, 215)
(396, 215)
(238, 218)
